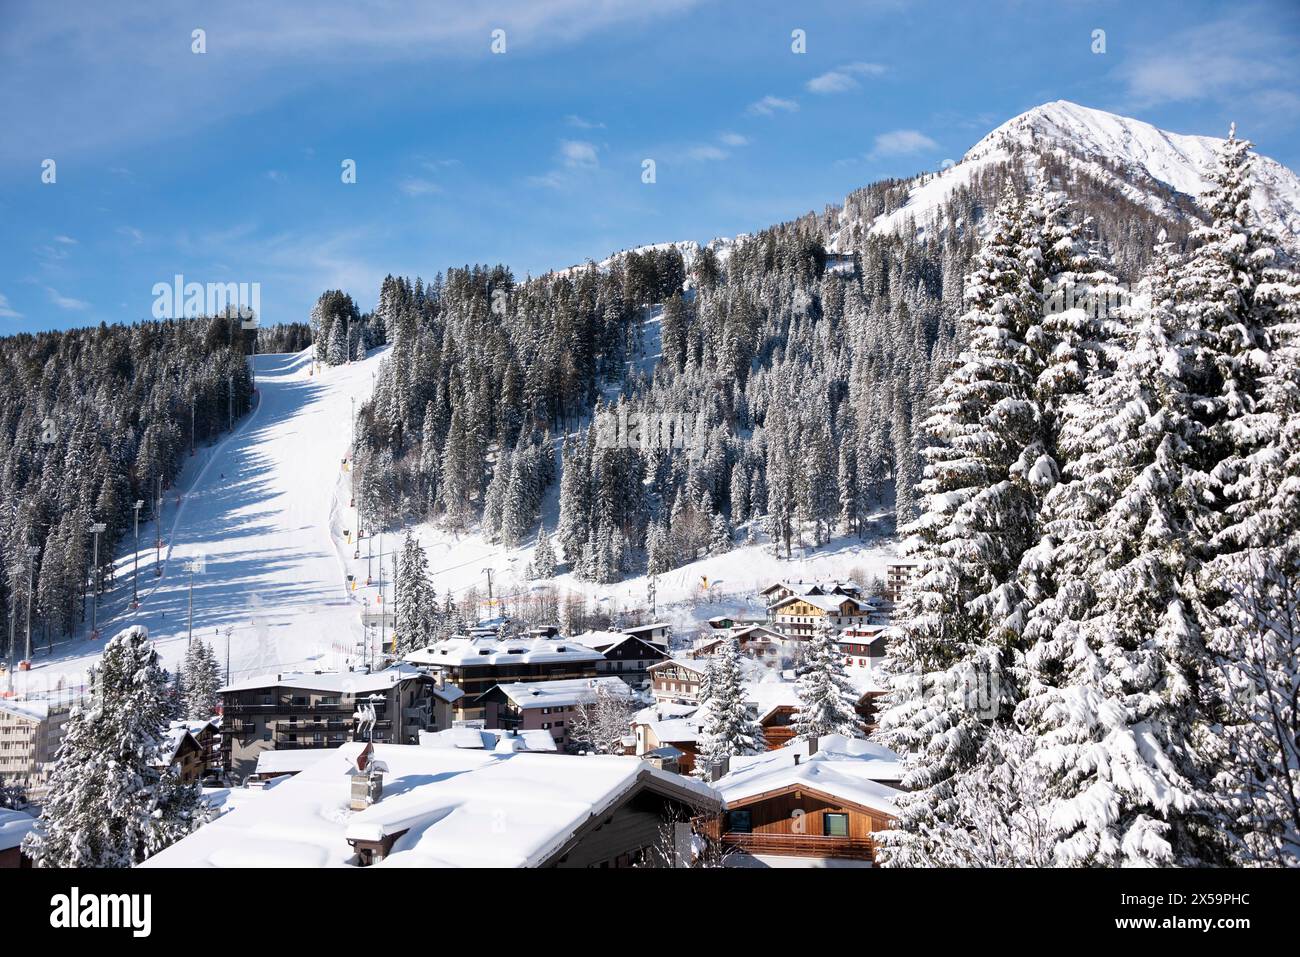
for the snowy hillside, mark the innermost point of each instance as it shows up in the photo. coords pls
(257, 510)
(1144, 163)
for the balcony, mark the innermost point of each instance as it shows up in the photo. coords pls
(271, 709)
(799, 845)
(332, 741)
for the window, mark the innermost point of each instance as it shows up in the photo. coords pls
(739, 822)
(835, 825)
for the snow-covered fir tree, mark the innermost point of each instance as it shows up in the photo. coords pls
(415, 622)
(826, 696)
(200, 679)
(727, 726)
(1111, 704)
(953, 662)
(107, 804)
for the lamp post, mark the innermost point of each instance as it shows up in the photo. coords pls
(32, 551)
(157, 564)
(135, 574)
(94, 582)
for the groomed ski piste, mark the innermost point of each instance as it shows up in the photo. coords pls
(254, 511)
(265, 518)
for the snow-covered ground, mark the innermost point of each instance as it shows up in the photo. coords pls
(257, 508)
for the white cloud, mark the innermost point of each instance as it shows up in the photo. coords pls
(578, 154)
(733, 139)
(131, 233)
(1227, 60)
(769, 105)
(844, 78)
(414, 186)
(66, 240)
(902, 143)
(66, 302)
(707, 151)
(7, 311)
(577, 122)
(275, 176)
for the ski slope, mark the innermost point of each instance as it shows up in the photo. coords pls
(256, 510)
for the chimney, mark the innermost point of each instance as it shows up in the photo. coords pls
(812, 745)
(367, 789)
(719, 768)
(796, 758)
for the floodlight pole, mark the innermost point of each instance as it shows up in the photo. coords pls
(135, 575)
(94, 582)
(32, 550)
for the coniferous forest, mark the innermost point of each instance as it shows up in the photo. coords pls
(801, 378)
(91, 420)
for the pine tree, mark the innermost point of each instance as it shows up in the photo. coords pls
(826, 696)
(726, 724)
(1112, 705)
(414, 626)
(108, 805)
(952, 667)
(1245, 310)
(200, 679)
(543, 563)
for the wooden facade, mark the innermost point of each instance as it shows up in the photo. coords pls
(798, 821)
(674, 680)
(777, 728)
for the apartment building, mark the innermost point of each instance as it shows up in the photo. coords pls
(898, 576)
(290, 711)
(546, 705)
(30, 732)
(797, 617)
(478, 663)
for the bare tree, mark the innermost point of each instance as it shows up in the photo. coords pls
(601, 723)
(684, 840)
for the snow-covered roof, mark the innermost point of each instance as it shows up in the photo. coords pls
(290, 761)
(172, 740)
(686, 663)
(676, 729)
(824, 602)
(564, 693)
(663, 710)
(451, 807)
(801, 587)
(653, 626)
(489, 739)
(462, 651)
(34, 709)
(767, 696)
(340, 682)
(603, 641)
(850, 769)
(448, 693)
(14, 826)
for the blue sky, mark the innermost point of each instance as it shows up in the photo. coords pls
(225, 166)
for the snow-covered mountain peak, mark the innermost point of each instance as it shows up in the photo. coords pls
(1175, 159)
(1141, 161)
